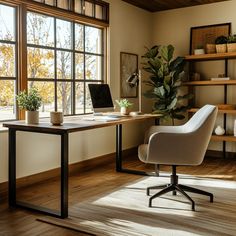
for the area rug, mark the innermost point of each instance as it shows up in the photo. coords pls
(125, 211)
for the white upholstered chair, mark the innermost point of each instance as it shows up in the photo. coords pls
(179, 145)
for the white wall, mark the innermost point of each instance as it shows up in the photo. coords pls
(130, 31)
(173, 27)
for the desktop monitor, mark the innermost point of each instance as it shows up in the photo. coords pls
(101, 97)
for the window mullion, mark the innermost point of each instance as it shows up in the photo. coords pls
(22, 53)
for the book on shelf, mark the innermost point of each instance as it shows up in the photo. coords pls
(220, 78)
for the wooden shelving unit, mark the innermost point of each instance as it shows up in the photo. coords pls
(224, 83)
(214, 56)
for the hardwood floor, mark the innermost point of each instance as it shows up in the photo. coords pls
(86, 184)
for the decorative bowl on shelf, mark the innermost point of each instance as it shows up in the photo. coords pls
(226, 106)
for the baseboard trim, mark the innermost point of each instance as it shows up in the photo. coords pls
(73, 168)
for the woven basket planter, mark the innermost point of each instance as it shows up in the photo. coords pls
(210, 48)
(231, 47)
(221, 48)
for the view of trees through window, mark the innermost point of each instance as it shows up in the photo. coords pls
(63, 57)
(8, 75)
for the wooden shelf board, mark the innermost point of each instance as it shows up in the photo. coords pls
(227, 138)
(228, 111)
(210, 83)
(214, 56)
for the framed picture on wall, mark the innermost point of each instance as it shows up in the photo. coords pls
(202, 35)
(128, 66)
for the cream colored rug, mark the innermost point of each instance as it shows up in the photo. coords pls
(125, 211)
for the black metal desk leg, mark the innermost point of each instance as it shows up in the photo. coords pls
(64, 175)
(119, 147)
(12, 167)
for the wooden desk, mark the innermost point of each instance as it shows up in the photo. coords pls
(70, 125)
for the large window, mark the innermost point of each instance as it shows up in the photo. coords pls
(63, 57)
(8, 65)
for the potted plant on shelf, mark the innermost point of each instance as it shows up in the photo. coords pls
(124, 105)
(231, 43)
(221, 42)
(166, 75)
(30, 103)
(199, 50)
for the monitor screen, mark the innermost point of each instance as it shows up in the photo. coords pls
(101, 97)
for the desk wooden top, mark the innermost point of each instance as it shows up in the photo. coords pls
(74, 124)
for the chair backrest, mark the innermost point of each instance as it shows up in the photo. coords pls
(187, 147)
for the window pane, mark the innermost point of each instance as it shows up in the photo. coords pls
(64, 97)
(79, 37)
(93, 68)
(49, 2)
(79, 97)
(64, 34)
(40, 29)
(7, 60)
(63, 4)
(93, 39)
(7, 100)
(46, 90)
(7, 23)
(78, 6)
(79, 66)
(89, 9)
(64, 65)
(40, 63)
(99, 12)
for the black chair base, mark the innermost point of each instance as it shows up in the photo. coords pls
(174, 187)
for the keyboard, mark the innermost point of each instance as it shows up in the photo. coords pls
(101, 118)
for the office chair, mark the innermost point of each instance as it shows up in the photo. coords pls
(179, 145)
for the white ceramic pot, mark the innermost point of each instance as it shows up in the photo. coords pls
(124, 111)
(31, 117)
(199, 51)
(219, 130)
(56, 117)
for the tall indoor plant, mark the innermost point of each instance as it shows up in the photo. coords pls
(30, 102)
(165, 80)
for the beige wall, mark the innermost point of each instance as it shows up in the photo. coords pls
(130, 31)
(173, 27)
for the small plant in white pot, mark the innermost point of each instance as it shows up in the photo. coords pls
(124, 105)
(30, 102)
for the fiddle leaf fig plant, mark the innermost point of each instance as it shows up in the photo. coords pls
(31, 101)
(165, 77)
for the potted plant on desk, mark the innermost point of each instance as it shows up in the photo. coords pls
(30, 103)
(124, 105)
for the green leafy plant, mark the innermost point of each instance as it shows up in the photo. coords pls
(31, 101)
(221, 40)
(232, 38)
(165, 80)
(199, 47)
(124, 103)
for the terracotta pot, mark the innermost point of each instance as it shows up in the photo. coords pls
(231, 47)
(31, 117)
(221, 48)
(56, 117)
(210, 48)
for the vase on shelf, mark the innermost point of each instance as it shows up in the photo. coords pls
(219, 130)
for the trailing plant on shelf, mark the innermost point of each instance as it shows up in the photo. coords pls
(221, 40)
(231, 38)
(165, 80)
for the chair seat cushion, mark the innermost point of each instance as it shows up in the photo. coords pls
(142, 152)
